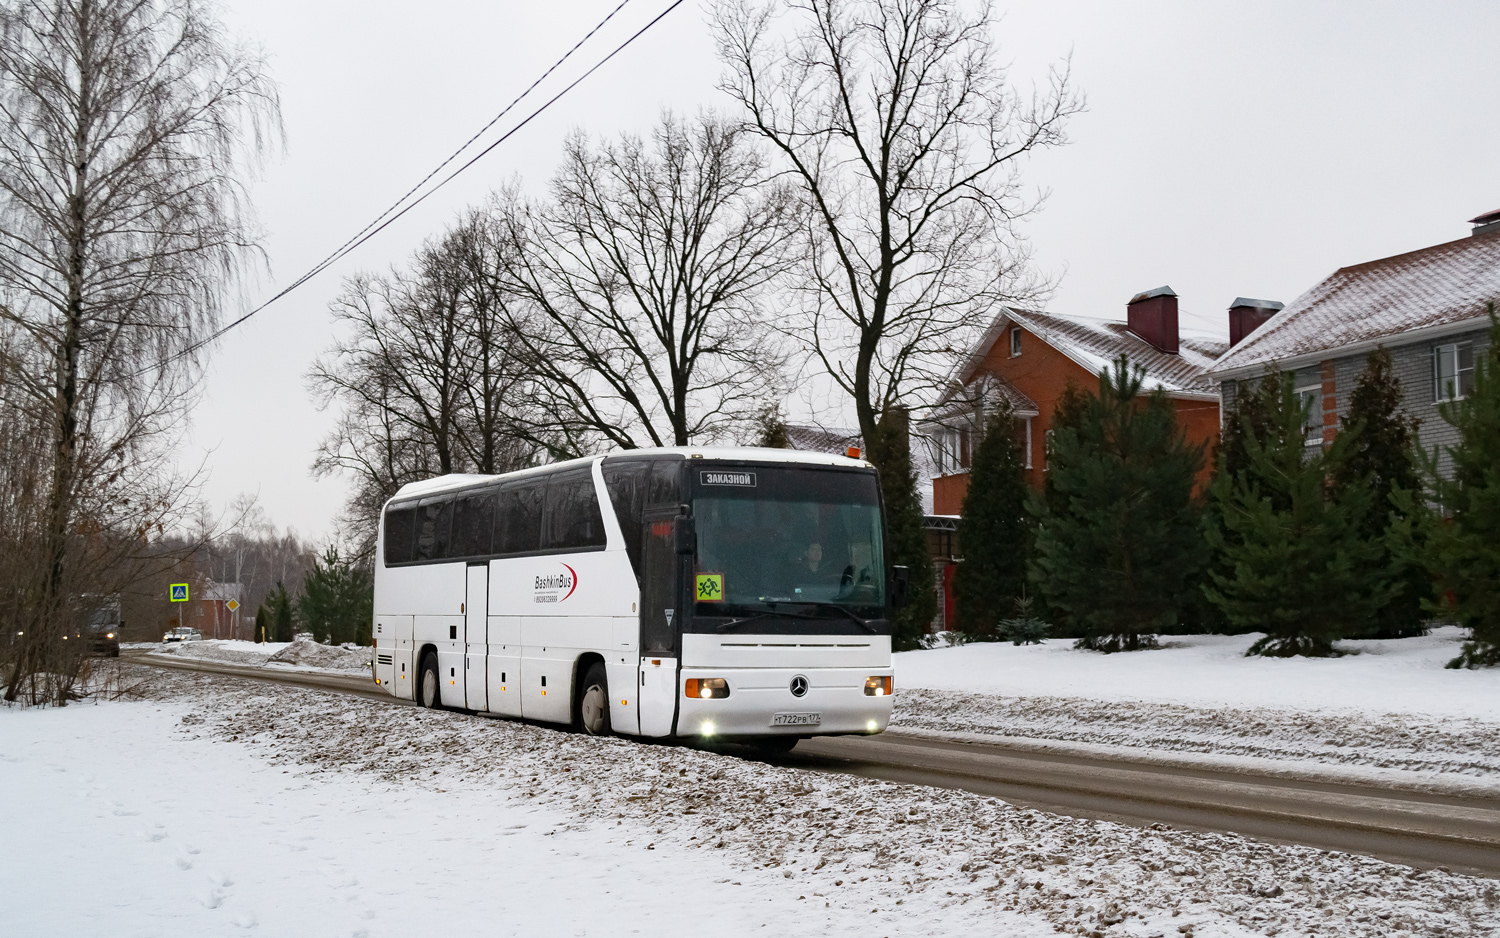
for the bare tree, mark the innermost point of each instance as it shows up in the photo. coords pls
(428, 377)
(907, 139)
(644, 286)
(125, 129)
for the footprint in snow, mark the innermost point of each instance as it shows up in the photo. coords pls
(184, 863)
(220, 879)
(244, 920)
(214, 899)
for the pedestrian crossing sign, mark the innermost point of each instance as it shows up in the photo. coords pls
(179, 593)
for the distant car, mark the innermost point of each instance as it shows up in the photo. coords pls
(104, 630)
(182, 635)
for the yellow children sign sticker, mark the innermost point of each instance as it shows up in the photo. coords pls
(710, 588)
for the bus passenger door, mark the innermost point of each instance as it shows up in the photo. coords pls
(476, 638)
(660, 595)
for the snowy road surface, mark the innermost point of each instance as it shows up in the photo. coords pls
(230, 805)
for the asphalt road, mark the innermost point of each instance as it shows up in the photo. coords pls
(1423, 830)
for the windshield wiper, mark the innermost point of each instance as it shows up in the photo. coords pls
(766, 615)
(847, 613)
(843, 610)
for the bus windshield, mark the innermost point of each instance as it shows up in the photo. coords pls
(773, 536)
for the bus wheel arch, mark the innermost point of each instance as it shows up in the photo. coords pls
(591, 698)
(428, 694)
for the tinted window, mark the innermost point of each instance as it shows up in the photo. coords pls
(434, 525)
(400, 523)
(572, 518)
(518, 517)
(473, 520)
(664, 489)
(626, 484)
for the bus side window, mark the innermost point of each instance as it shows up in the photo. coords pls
(434, 523)
(518, 517)
(473, 520)
(665, 486)
(571, 518)
(400, 525)
(626, 484)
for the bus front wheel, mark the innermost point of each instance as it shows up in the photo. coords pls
(428, 693)
(592, 714)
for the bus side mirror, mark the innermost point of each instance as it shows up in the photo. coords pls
(900, 579)
(686, 531)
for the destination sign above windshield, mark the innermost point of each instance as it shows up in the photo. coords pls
(721, 477)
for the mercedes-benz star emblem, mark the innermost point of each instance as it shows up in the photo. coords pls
(799, 686)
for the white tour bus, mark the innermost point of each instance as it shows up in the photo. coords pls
(740, 594)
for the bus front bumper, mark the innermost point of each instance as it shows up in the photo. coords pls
(761, 702)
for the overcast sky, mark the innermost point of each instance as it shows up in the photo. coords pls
(1229, 149)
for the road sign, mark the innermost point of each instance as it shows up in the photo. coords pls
(710, 587)
(233, 604)
(179, 593)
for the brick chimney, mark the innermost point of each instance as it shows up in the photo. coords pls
(1247, 315)
(1488, 223)
(1153, 316)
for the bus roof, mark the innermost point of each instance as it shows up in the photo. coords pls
(457, 480)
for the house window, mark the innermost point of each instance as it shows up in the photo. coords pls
(1047, 451)
(1015, 341)
(1028, 442)
(1311, 399)
(1453, 366)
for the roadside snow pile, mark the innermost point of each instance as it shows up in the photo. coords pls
(324, 657)
(1375, 677)
(225, 650)
(1401, 741)
(927, 858)
(1385, 704)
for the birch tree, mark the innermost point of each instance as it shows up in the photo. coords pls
(127, 128)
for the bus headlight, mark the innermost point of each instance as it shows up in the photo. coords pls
(706, 687)
(878, 686)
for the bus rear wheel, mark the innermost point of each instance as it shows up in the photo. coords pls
(429, 693)
(591, 714)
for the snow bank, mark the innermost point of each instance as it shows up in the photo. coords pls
(1376, 678)
(324, 657)
(820, 853)
(225, 650)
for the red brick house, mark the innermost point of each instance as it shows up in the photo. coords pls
(1029, 359)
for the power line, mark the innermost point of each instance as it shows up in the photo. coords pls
(386, 218)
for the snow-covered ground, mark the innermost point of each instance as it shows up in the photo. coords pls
(223, 805)
(303, 655)
(1374, 677)
(1386, 705)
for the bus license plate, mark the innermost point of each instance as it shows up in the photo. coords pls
(796, 719)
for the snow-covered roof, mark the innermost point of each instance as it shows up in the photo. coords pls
(1446, 285)
(1094, 345)
(810, 439)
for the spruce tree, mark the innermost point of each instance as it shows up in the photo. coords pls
(1468, 547)
(890, 451)
(994, 531)
(1383, 458)
(1294, 561)
(1118, 540)
(337, 600)
(278, 607)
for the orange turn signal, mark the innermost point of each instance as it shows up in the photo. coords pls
(878, 686)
